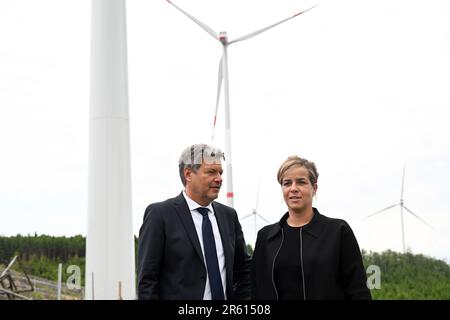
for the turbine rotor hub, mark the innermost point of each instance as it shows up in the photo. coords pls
(223, 37)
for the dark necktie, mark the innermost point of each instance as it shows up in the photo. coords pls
(212, 265)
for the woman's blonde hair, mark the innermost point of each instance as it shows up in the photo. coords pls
(292, 161)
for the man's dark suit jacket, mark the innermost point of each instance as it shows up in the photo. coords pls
(170, 261)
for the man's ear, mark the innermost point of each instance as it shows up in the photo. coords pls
(315, 188)
(187, 172)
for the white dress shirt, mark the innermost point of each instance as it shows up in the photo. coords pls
(198, 220)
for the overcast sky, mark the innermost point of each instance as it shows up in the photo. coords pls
(361, 88)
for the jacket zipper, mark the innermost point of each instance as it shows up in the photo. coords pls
(273, 264)
(301, 263)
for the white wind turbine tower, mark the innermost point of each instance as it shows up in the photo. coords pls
(223, 75)
(255, 213)
(110, 268)
(402, 206)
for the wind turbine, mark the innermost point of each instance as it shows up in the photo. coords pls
(110, 263)
(255, 213)
(223, 76)
(402, 206)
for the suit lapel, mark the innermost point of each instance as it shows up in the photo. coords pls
(224, 235)
(184, 214)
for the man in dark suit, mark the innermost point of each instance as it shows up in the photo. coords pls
(191, 247)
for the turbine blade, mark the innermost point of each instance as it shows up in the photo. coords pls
(262, 218)
(219, 87)
(198, 22)
(403, 183)
(257, 196)
(245, 217)
(255, 33)
(380, 211)
(415, 215)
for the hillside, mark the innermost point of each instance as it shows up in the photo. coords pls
(44, 289)
(409, 276)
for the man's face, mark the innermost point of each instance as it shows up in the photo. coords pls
(204, 185)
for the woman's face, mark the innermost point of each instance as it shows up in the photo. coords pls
(298, 192)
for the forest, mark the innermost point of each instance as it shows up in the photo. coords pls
(400, 276)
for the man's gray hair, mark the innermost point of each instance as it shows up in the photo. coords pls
(193, 156)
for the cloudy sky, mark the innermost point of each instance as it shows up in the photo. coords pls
(359, 87)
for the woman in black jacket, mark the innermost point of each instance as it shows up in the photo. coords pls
(306, 255)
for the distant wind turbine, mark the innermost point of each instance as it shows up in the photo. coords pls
(223, 75)
(402, 206)
(255, 213)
